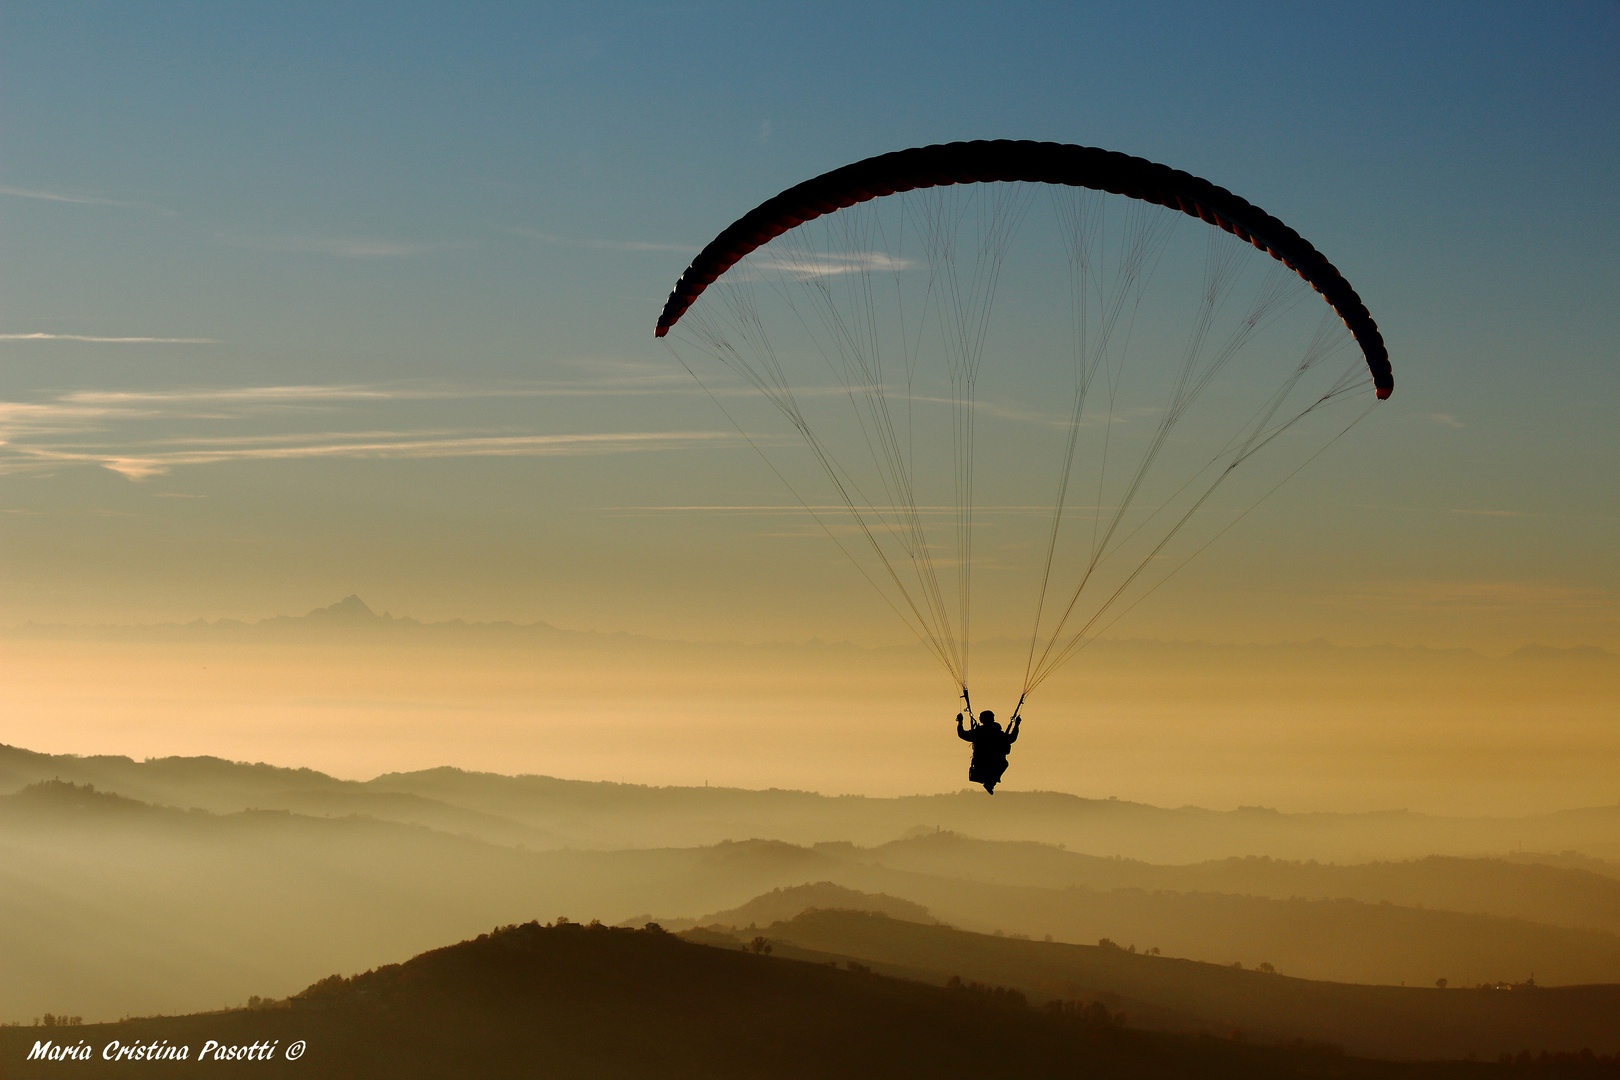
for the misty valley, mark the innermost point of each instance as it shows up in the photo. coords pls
(188, 898)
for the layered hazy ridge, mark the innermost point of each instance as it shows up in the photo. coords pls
(182, 884)
(1298, 726)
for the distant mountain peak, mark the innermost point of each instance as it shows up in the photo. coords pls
(350, 609)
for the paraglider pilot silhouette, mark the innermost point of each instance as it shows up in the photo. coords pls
(990, 746)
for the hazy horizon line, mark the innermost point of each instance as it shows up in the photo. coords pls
(1010, 793)
(360, 615)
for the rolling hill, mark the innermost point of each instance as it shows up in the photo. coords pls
(595, 1002)
(110, 906)
(1184, 995)
(547, 812)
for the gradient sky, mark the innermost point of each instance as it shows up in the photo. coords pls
(310, 300)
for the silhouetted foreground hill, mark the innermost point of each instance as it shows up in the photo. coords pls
(593, 1002)
(1186, 995)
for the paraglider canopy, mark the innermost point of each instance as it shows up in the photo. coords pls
(1138, 368)
(1036, 162)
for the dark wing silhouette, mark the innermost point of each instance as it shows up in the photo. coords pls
(1032, 162)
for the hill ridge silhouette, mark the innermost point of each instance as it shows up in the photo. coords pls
(587, 1001)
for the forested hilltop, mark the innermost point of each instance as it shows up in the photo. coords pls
(593, 1001)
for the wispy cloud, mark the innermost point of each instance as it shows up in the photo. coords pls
(1467, 510)
(22, 419)
(804, 266)
(112, 340)
(1022, 415)
(318, 395)
(56, 196)
(607, 245)
(143, 465)
(251, 395)
(769, 510)
(1482, 596)
(1445, 419)
(345, 247)
(144, 433)
(80, 200)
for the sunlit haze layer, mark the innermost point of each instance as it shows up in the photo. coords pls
(309, 303)
(1298, 727)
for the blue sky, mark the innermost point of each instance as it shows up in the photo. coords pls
(440, 221)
